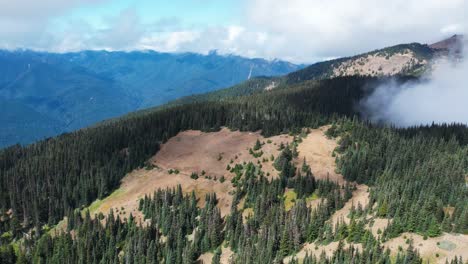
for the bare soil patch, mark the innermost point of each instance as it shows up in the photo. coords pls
(317, 249)
(379, 224)
(360, 196)
(317, 149)
(378, 64)
(188, 152)
(205, 258)
(195, 151)
(144, 182)
(226, 255)
(457, 246)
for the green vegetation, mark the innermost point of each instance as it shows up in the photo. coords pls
(290, 197)
(409, 171)
(194, 176)
(96, 204)
(409, 175)
(312, 197)
(67, 91)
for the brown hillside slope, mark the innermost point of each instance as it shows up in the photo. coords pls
(188, 152)
(318, 149)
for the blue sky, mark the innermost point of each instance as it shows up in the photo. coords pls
(199, 13)
(302, 31)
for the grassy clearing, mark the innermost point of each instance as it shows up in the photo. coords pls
(247, 212)
(311, 198)
(290, 197)
(97, 204)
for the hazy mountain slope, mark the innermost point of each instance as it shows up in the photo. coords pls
(13, 131)
(75, 90)
(400, 59)
(121, 82)
(452, 44)
(160, 77)
(405, 60)
(68, 98)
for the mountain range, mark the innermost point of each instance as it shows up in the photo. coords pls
(45, 94)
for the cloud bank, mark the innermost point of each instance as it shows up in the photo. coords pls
(296, 30)
(442, 98)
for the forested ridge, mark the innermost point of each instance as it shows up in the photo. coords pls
(415, 180)
(416, 177)
(41, 182)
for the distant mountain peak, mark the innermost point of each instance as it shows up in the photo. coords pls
(453, 44)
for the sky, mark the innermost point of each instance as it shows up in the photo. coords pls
(300, 31)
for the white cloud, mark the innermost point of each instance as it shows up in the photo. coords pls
(452, 29)
(297, 30)
(319, 29)
(312, 30)
(22, 9)
(122, 32)
(440, 99)
(25, 23)
(168, 41)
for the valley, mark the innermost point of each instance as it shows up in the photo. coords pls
(70, 91)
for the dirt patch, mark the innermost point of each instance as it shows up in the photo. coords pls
(446, 246)
(378, 64)
(195, 151)
(140, 182)
(317, 149)
(188, 152)
(314, 203)
(317, 249)
(205, 258)
(360, 196)
(378, 224)
(226, 255)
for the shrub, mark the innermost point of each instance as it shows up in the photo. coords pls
(257, 146)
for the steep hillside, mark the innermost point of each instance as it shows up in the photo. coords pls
(404, 59)
(75, 90)
(298, 200)
(161, 77)
(188, 153)
(32, 121)
(270, 170)
(410, 60)
(454, 45)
